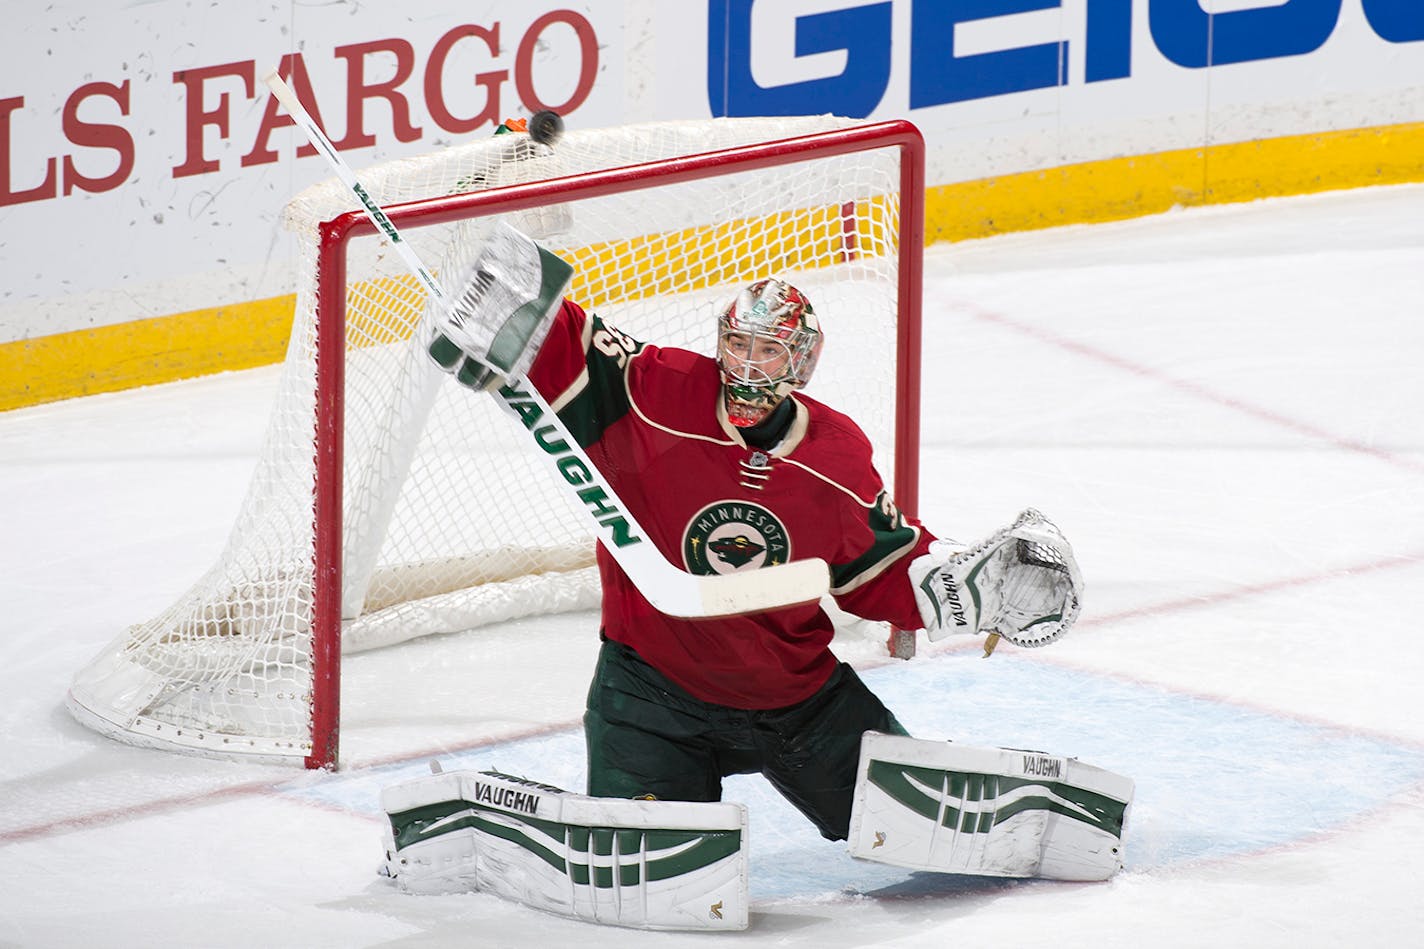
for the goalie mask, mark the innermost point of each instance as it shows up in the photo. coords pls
(768, 341)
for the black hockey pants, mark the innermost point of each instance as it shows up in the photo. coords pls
(646, 736)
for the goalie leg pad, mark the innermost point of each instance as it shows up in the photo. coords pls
(1000, 812)
(667, 865)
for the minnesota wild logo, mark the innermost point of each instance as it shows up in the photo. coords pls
(728, 536)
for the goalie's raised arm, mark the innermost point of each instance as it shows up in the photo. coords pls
(1021, 583)
(498, 310)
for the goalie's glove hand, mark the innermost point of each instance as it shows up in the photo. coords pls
(1021, 583)
(498, 311)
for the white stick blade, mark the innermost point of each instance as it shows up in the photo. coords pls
(770, 588)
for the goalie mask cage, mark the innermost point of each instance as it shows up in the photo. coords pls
(389, 503)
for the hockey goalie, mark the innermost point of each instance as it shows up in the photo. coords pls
(728, 467)
(725, 466)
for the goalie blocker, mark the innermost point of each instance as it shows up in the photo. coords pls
(949, 808)
(643, 864)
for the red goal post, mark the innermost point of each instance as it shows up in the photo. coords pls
(254, 650)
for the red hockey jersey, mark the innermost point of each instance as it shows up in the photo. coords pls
(653, 421)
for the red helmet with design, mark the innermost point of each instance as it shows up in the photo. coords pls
(767, 345)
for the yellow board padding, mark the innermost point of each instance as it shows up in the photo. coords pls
(385, 310)
(145, 352)
(1120, 188)
(244, 335)
(698, 258)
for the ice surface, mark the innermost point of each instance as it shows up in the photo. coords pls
(1222, 408)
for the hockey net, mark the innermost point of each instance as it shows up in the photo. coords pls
(387, 505)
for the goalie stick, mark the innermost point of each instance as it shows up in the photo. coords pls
(670, 590)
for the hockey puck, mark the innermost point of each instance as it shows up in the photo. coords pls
(545, 127)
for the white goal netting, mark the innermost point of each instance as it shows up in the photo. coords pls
(448, 522)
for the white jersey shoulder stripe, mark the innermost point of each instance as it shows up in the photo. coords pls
(581, 380)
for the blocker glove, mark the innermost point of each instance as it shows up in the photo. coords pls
(491, 326)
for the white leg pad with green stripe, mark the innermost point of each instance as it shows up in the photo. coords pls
(644, 864)
(934, 805)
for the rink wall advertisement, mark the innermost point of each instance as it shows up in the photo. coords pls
(143, 168)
